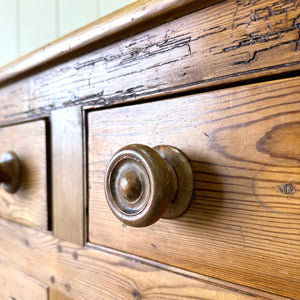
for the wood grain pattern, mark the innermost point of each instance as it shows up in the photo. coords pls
(243, 144)
(222, 44)
(85, 273)
(29, 204)
(68, 175)
(56, 295)
(17, 285)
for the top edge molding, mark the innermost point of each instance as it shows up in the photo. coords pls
(132, 19)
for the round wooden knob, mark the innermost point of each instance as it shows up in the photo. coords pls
(10, 172)
(143, 184)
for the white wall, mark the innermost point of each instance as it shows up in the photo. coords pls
(26, 25)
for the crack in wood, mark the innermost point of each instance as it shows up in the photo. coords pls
(269, 31)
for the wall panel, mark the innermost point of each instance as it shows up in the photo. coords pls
(9, 49)
(26, 25)
(37, 24)
(77, 13)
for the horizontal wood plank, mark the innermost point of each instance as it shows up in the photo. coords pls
(17, 285)
(221, 44)
(85, 273)
(56, 295)
(243, 224)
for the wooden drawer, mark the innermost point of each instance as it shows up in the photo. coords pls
(243, 224)
(19, 286)
(28, 205)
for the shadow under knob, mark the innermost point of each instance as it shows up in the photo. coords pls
(143, 184)
(10, 172)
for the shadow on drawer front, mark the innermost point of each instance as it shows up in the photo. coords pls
(243, 224)
(27, 203)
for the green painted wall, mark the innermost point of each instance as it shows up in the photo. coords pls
(26, 25)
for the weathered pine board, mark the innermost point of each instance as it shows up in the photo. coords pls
(221, 44)
(85, 273)
(243, 224)
(17, 285)
(56, 295)
(29, 205)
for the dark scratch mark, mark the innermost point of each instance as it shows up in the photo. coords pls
(208, 34)
(247, 61)
(266, 49)
(26, 242)
(68, 287)
(75, 255)
(298, 42)
(136, 294)
(212, 28)
(150, 50)
(270, 27)
(109, 100)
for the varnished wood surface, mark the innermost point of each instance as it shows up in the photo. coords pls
(127, 21)
(85, 273)
(243, 144)
(222, 44)
(29, 204)
(243, 223)
(56, 295)
(19, 286)
(68, 175)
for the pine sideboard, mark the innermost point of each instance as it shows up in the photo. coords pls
(103, 130)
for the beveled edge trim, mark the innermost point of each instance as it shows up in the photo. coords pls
(132, 19)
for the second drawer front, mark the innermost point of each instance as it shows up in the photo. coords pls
(243, 145)
(29, 204)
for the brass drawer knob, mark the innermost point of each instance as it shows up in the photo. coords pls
(143, 184)
(10, 172)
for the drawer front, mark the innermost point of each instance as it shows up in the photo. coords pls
(19, 286)
(28, 205)
(243, 224)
